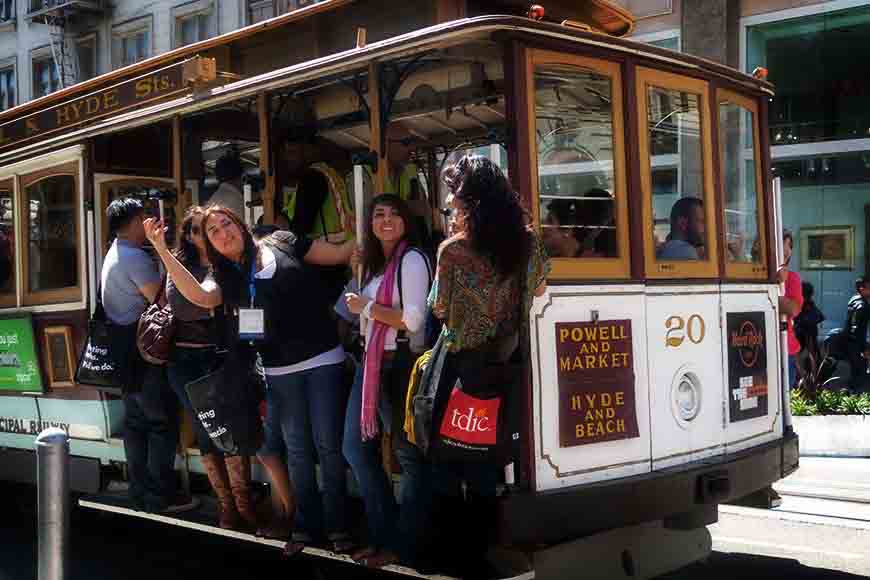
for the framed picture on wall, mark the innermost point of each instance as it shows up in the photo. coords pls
(827, 248)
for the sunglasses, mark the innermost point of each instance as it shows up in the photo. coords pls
(195, 230)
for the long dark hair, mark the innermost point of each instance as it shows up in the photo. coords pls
(374, 261)
(496, 218)
(231, 277)
(185, 250)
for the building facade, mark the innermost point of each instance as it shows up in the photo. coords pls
(49, 44)
(819, 119)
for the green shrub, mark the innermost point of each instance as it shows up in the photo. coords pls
(828, 402)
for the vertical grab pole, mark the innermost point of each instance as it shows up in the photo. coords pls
(783, 335)
(52, 471)
(359, 201)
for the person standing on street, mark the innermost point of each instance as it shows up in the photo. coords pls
(130, 281)
(857, 317)
(790, 304)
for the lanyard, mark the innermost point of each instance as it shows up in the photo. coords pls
(252, 288)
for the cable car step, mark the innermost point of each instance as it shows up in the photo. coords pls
(202, 519)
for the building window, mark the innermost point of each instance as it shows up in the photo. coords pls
(647, 8)
(194, 22)
(7, 10)
(131, 42)
(8, 88)
(822, 95)
(260, 10)
(86, 56)
(45, 79)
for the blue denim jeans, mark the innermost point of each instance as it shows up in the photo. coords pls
(305, 410)
(364, 458)
(390, 527)
(150, 439)
(187, 365)
(792, 371)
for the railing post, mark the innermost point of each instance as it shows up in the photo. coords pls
(52, 470)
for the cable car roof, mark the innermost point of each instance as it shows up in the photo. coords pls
(439, 36)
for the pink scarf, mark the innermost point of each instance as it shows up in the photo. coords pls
(375, 349)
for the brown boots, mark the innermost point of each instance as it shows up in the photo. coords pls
(230, 477)
(239, 470)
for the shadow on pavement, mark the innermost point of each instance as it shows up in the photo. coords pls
(732, 566)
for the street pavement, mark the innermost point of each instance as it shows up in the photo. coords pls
(821, 531)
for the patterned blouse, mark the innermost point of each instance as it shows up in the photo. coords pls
(469, 297)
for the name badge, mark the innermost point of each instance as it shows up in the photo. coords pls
(252, 324)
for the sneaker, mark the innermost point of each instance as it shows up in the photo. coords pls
(180, 503)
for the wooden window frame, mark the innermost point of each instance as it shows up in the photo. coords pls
(11, 300)
(586, 268)
(677, 269)
(104, 186)
(60, 295)
(745, 270)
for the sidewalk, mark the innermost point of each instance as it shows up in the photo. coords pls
(843, 479)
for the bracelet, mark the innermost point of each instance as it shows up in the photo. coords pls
(367, 310)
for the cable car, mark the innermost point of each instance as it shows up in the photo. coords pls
(652, 381)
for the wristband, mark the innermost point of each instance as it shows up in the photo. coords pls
(367, 310)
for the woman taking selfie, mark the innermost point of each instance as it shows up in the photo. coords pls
(278, 306)
(194, 355)
(392, 310)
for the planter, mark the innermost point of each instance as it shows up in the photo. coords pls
(834, 435)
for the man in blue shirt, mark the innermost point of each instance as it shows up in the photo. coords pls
(130, 281)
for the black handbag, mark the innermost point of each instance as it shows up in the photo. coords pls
(227, 402)
(106, 360)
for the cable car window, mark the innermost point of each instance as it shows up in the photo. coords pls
(51, 238)
(674, 122)
(53, 255)
(8, 274)
(676, 169)
(741, 187)
(578, 124)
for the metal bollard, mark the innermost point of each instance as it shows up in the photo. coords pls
(52, 472)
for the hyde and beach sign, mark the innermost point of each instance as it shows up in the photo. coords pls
(595, 371)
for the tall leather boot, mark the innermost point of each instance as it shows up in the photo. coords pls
(239, 470)
(216, 471)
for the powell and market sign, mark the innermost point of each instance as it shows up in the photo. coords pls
(114, 99)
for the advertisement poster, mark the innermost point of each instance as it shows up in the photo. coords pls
(747, 366)
(595, 370)
(19, 366)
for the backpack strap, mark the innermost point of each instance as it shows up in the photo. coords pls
(402, 333)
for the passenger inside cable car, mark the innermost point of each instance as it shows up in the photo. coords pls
(686, 238)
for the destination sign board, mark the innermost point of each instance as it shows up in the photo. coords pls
(114, 99)
(595, 373)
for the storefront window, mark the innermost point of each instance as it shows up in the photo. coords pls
(580, 174)
(826, 205)
(744, 242)
(822, 94)
(52, 250)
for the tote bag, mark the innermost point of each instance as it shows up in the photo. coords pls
(106, 359)
(471, 428)
(227, 404)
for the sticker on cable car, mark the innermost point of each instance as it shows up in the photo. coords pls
(747, 366)
(595, 370)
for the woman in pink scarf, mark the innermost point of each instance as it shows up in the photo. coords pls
(387, 320)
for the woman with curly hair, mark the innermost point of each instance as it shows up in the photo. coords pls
(487, 275)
